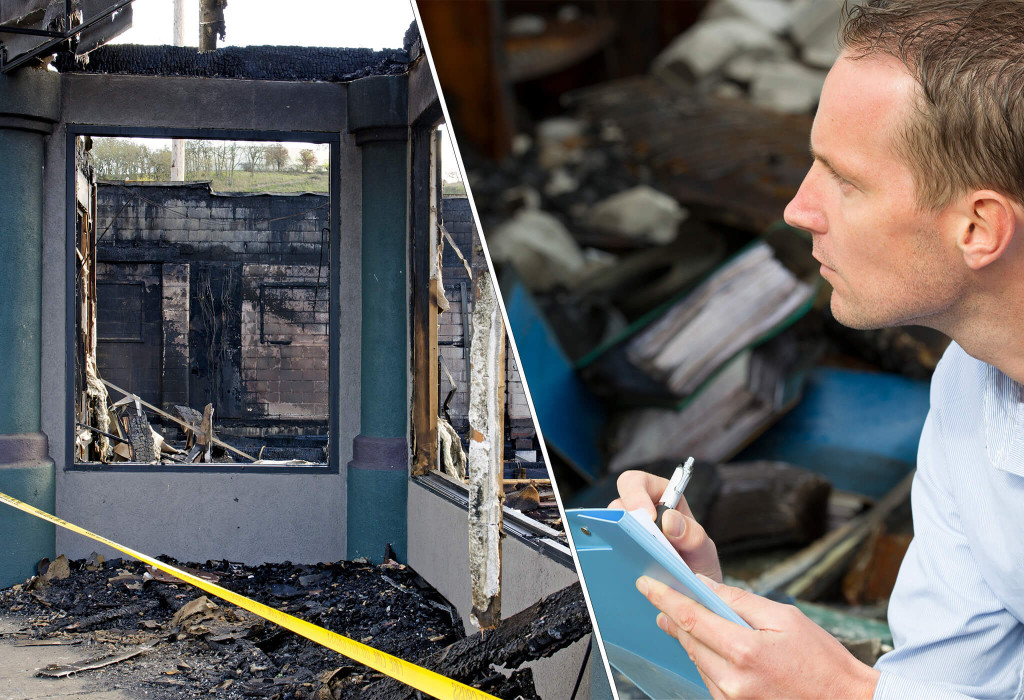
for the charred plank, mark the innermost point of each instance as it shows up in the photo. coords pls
(537, 632)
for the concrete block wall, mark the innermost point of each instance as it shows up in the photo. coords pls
(458, 221)
(520, 420)
(130, 327)
(452, 348)
(284, 367)
(189, 221)
(155, 233)
(175, 305)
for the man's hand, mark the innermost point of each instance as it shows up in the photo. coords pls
(642, 490)
(784, 656)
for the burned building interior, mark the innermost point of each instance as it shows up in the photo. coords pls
(632, 195)
(239, 379)
(226, 324)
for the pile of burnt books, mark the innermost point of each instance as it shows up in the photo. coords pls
(705, 372)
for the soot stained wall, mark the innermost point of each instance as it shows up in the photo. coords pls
(222, 298)
(458, 221)
(212, 297)
(128, 319)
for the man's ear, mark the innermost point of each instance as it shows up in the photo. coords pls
(987, 229)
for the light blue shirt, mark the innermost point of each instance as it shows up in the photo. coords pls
(957, 611)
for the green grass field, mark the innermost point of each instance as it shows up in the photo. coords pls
(269, 181)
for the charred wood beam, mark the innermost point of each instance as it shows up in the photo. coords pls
(205, 440)
(140, 437)
(762, 503)
(247, 62)
(63, 671)
(425, 302)
(102, 618)
(813, 568)
(546, 627)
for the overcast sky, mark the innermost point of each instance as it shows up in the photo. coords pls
(374, 24)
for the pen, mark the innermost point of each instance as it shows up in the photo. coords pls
(674, 490)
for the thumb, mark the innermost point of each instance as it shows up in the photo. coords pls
(760, 613)
(692, 543)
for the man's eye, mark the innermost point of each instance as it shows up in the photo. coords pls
(840, 179)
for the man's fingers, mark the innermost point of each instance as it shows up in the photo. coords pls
(709, 665)
(642, 490)
(760, 613)
(639, 490)
(723, 637)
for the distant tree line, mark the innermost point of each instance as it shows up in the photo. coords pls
(116, 159)
(119, 159)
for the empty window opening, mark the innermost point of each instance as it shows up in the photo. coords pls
(527, 485)
(203, 302)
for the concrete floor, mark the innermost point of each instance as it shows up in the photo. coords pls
(18, 666)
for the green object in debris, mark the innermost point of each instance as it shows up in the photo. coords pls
(845, 625)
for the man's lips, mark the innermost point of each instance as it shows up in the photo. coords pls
(824, 265)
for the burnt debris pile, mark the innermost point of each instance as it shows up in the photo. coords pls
(194, 645)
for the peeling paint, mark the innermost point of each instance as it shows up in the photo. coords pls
(486, 401)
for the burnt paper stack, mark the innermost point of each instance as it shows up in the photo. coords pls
(737, 404)
(744, 300)
(668, 360)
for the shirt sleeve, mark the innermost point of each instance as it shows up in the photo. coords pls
(895, 687)
(950, 630)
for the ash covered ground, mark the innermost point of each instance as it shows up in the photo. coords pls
(206, 646)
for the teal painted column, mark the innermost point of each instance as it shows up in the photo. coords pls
(29, 107)
(378, 475)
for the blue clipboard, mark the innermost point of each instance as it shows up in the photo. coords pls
(614, 550)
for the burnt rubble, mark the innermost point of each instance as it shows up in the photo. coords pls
(194, 645)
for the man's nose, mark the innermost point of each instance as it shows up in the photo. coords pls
(804, 211)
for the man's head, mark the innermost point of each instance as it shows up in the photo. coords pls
(918, 180)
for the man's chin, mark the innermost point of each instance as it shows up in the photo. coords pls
(854, 318)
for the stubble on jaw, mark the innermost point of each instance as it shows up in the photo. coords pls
(929, 292)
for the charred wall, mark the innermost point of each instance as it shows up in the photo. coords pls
(216, 298)
(129, 326)
(197, 514)
(454, 324)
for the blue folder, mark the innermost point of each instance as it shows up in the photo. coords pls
(614, 550)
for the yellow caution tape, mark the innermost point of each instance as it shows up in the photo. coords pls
(422, 679)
